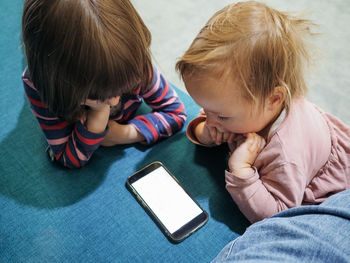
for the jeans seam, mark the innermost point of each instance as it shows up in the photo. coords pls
(231, 247)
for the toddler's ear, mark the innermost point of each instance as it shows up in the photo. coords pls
(277, 97)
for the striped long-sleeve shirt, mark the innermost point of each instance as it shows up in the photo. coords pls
(72, 144)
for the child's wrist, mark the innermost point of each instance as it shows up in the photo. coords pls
(136, 134)
(242, 171)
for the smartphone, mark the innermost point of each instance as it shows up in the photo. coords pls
(172, 208)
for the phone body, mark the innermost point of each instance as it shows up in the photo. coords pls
(172, 208)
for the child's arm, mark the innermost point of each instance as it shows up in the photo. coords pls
(121, 134)
(168, 115)
(72, 144)
(242, 159)
(97, 116)
(279, 186)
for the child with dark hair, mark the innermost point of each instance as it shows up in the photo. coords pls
(89, 69)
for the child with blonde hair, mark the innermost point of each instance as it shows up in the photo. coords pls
(89, 70)
(245, 69)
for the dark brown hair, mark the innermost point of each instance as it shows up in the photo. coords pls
(262, 47)
(79, 49)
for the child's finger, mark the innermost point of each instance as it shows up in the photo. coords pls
(251, 143)
(212, 132)
(231, 137)
(259, 142)
(262, 143)
(255, 143)
(225, 136)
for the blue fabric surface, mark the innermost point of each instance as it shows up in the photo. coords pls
(51, 214)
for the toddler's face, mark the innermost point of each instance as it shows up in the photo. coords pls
(224, 105)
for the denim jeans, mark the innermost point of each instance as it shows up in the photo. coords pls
(317, 233)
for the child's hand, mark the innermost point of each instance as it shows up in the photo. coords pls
(220, 137)
(98, 113)
(121, 134)
(97, 116)
(210, 135)
(242, 159)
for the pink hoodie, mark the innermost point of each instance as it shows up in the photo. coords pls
(305, 160)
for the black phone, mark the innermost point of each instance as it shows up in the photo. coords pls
(172, 208)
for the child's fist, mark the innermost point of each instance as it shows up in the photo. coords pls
(242, 159)
(203, 134)
(211, 136)
(219, 137)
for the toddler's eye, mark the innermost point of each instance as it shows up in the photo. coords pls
(222, 118)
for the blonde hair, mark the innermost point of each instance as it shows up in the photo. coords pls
(265, 48)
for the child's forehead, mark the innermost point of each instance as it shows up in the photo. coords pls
(218, 79)
(210, 88)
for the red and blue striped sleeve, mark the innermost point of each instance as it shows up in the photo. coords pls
(168, 112)
(71, 143)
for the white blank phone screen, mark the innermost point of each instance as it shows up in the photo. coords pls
(167, 199)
